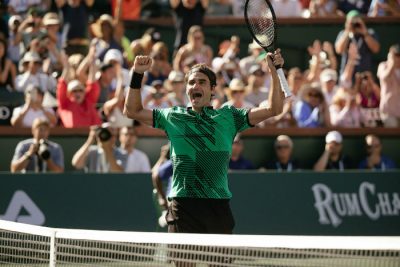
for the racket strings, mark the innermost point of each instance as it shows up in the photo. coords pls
(261, 21)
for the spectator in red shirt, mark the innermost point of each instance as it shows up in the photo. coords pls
(77, 105)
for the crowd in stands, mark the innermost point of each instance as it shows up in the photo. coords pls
(74, 70)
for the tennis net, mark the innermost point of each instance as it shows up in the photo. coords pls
(28, 245)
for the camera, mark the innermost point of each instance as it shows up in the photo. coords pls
(103, 134)
(356, 24)
(44, 151)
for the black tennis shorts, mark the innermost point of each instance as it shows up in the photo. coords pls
(200, 215)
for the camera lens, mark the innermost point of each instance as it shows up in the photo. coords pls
(104, 134)
(44, 151)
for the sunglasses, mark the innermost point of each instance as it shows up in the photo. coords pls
(278, 147)
(258, 73)
(77, 91)
(314, 95)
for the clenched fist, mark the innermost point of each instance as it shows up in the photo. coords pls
(142, 64)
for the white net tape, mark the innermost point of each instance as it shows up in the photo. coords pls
(27, 245)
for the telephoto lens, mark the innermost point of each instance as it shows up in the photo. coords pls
(103, 134)
(44, 151)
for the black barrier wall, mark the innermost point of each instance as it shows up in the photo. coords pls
(302, 203)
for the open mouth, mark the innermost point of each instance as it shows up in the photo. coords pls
(197, 95)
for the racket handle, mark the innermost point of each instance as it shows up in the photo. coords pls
(284, 84)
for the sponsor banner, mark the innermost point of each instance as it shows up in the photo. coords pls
(301, 203)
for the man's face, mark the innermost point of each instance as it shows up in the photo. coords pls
(199, 90)
(283, 150)
(373, 145)
(41, 132)
(127, 137)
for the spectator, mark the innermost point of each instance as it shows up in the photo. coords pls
(161, 66)
(25, 115)
(323, 8)
(8, 71)
(137, 160)
(102, 157)
(33, 74)
(328, 79)
(104, 39)
(287, 8)
(332, 158)
(345, 110)
(113, 108)
(389, 78)
(76, 105)
(21, 7)
(187, 13)
(379, 8)
(312, 110)
(220, 96)
(157, 97)
(375, 160)
(144, 45)
(14, 50)
(346, 6)
(256, 92)
(195, 49)
(51, 23)
(369, 97)
(75, 15)
(283, 152)
(237, 161)
(322, 57)
(38, 154)
(175, 84)
(247, 62)
(355, 31)
(236, 95)
(123, 41)
(114, 57)
(29, 29)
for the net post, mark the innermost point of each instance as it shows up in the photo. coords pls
(52, 260)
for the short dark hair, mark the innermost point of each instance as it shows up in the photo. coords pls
(203, 68)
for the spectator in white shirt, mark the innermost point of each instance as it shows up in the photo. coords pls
(33, 75)
(23, 116)
(136, 161)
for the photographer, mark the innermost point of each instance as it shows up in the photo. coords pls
(102, 157)
(38, 154)
(355, 31)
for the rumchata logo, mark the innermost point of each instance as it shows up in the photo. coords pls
(333, 207)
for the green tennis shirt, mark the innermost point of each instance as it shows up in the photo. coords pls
(201, 146)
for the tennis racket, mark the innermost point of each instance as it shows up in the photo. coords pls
(261, 21)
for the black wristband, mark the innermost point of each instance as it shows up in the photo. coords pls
(136, 81)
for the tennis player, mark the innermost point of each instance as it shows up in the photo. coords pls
(201, 142)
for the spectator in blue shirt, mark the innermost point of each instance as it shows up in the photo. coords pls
(312, 110)
(237, 161)
(375, 160)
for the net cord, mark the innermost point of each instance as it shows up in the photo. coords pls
(254, 241)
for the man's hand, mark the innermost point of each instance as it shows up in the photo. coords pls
(275, 59)
(142, 64)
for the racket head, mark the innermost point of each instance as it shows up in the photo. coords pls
(261, 21)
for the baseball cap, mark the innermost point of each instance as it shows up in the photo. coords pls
(353, 13)
(328, 75)
(74, 85)
(255, 68)
(113, 54)
(50, 18)
(14, 19)
(333, 136)
(31, 56)
(236, 85)
(176, 76)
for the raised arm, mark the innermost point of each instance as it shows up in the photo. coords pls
(133, 103)
(276, 95)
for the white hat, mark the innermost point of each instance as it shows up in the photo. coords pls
(333, 136)
(51, 18)
(237, 84)
(176, 76)
(113, 54)
(13, 19)
(75, 84)
(31, 56)
(328, 75)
